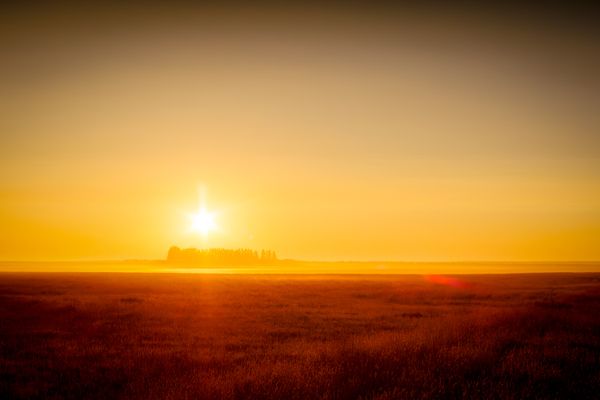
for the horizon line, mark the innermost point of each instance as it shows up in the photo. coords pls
(141, 260)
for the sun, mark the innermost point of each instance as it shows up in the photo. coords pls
(204, 222)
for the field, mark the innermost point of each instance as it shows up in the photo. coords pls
(183, 336)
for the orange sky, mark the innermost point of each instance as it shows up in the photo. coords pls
(322, 134)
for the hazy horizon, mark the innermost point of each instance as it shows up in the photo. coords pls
(307, 267)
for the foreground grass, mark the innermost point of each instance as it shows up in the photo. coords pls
(394, 337)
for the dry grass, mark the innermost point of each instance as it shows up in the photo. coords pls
(395, 337)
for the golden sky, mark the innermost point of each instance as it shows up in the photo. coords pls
(326, 134)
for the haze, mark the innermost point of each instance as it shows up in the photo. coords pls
(324, 134)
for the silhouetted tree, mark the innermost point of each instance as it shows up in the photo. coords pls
(220, 257)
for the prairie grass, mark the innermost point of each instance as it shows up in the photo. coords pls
(148, 336)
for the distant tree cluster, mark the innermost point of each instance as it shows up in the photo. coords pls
(221, 257)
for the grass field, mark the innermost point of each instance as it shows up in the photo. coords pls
(183, 336)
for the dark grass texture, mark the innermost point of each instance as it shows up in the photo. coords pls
(145, 336)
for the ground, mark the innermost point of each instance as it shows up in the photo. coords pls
(180, 336)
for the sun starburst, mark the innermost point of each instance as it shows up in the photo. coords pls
(204, 221)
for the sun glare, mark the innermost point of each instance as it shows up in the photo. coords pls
(204, 222)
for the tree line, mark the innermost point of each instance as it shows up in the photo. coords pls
(221, 257)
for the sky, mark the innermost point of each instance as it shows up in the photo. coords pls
(323, 133)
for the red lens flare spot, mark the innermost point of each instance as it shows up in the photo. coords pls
(446, 281)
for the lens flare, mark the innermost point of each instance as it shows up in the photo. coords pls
(445, 280)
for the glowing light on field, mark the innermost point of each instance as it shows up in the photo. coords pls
(445, 280)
